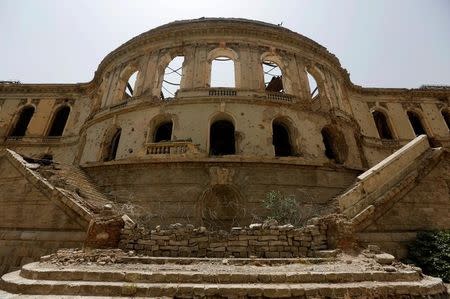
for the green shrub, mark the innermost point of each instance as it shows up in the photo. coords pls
(431, 252)
(284, 209)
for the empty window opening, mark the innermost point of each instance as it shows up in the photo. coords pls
(313, 87)
(59, 121)
(446, 116)
(163, 132)
(113, 146)
(222, 72)
(381, 123)
(48, 157)
(273, 78)
(281, 140)
(336, 148)
(416, 123)
(221, 138)
(172, 78)
(131, 86)
(23, 121)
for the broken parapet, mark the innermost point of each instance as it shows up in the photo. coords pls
(262, 240)
(73, 192)
(390, 176)
(104, 231)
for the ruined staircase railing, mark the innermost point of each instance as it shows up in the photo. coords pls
(390, 177)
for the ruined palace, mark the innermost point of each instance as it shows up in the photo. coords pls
(152, 138)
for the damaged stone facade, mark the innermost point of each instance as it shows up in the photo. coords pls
(209, 155)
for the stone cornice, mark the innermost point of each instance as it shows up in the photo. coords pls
(402, 92)
(57, 90)
(228, 27)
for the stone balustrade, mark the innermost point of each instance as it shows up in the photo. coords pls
(234, 92)
(171, 148)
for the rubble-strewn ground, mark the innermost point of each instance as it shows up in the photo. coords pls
(120, 260)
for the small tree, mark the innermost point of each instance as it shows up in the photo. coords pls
(431, 252)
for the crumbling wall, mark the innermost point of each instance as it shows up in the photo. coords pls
(425, 207)
(164, 193)
(31, 225)
(267, 240)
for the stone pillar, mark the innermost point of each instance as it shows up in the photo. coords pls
(202, 69)
(292, 75)
(113, 87)
(107, 86)
(41, 116)
(187, 81)
(252, 76)
(142, 70)
(330, 92)
(304, 92)
(150, 70)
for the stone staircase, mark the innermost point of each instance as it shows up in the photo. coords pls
(74, 181)
(346, 277)
(378, 189)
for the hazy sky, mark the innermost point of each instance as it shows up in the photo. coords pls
(382, 43)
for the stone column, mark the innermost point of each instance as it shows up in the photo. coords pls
(142, 71)
(202, 70)
(149, 77)
(113, 86)
(291, 73)
(106, 90)
(252, 76)
(187, 80)
(304, 92)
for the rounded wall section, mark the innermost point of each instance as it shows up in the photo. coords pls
(247, 43)
(191, 129)
(216, 194)
(181, 179)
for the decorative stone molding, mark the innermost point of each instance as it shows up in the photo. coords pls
(221, 175)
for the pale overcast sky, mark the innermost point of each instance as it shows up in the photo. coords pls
(382, 43)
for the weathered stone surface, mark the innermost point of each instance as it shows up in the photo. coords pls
(384, 258)
(46, 205)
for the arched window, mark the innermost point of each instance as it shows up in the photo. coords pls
(111, 150)
(172, 78)
(163, 132)
(334, 142)
(22, 122)
(446, 116)
(221, 138)
(416, 123)
(313, 87)
(222, 72)
(281, 139)
(59, 121)
(384, 131)
(273, 77)
(130, 86)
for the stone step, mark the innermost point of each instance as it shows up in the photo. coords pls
(427, 287)
(35, 271)
(232, 261)
(5, 295)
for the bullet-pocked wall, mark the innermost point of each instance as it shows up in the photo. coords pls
(289, 108)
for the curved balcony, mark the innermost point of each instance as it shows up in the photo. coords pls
(221, 93)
